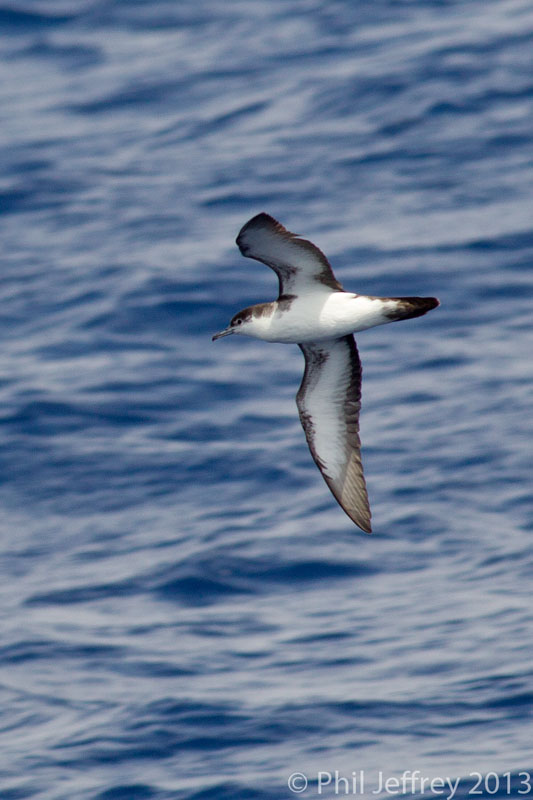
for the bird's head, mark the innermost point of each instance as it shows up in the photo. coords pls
(241, 323)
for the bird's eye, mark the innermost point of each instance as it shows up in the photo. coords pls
(238, 321)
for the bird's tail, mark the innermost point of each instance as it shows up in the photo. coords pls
(408, 307)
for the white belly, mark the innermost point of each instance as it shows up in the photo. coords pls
(326, 316)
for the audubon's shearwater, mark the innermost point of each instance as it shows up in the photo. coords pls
(314, 312)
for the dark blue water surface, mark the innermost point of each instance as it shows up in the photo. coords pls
(186, 612)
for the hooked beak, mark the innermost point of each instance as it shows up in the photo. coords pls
(225, 332)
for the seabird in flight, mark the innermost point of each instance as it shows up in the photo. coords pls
(314, 312)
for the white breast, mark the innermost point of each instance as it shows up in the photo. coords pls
(321, 315)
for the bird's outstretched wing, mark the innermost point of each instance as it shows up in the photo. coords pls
(297, 262)
(329, 401)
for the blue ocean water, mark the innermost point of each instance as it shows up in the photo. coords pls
(186, 612)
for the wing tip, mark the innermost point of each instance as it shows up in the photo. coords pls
(262, 220)
(357, 508)
(362, 522)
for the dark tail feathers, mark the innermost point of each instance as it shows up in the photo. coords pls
(409, 307)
